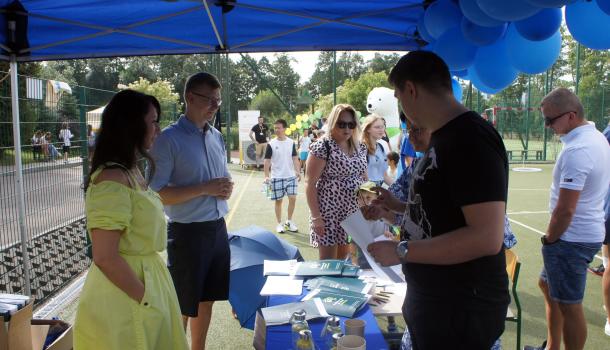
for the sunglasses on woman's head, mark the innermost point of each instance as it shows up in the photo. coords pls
(344, 125)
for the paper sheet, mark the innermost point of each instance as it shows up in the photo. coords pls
(282, 285)
(279, 267)
(365, 232)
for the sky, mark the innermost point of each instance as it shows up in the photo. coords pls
(306, 61)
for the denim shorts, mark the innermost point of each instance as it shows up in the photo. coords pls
(565, 269)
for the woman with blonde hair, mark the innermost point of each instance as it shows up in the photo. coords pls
(335, 168)
(373, 130)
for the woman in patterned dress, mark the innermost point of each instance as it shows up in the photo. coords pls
(335, 169)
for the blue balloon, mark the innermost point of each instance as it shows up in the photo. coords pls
(460, 73)
(423, 32)
(473, 12)
(549, 3)
(474, 79)
(507, 11)
(532, 57)
(479, 35)
(604, 5)
(440, 16)
(541, 25)
(457, 89)
(589, 25)
(457, 52)
(493, 67)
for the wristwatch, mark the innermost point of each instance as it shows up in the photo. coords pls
(402, 249)
(545, 241)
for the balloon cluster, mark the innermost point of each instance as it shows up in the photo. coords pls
(303, 121)
(489, 42)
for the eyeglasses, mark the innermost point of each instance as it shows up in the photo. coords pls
(211, 100)
(344, 125)
(548, 121)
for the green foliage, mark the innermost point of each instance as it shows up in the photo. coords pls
(163, 91)
(266, 102)
(355, 92)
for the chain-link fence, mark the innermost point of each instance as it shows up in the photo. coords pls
(522, 128)
(54, 138)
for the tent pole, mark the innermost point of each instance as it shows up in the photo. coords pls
(19, 174)
(334, 78)
(227, 94)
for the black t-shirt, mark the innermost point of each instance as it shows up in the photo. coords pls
(260, 133)
(466, 164)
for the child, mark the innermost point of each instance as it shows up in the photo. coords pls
(393, 159)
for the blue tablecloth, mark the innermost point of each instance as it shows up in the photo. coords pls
(280, 337)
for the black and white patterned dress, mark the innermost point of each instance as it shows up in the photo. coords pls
(336, 187)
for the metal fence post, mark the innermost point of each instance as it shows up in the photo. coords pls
(84, 150)
(19, 175)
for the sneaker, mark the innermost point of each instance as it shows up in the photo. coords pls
(607, 328)
(291, 226)
(597, 270)
(530, 347)
(280, 228)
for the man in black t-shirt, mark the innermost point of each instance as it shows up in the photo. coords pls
(260, 134)
(452, 231)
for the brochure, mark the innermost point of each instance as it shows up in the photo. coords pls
(337, 302)
(279, 267)
(320, 268)
(282, 285)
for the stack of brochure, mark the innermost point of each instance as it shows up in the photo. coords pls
(339, 302)
(11, 303)
(310, 268)
(342, 283)
(280, 314)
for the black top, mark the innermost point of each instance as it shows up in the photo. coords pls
(260, 133)
(465, 164)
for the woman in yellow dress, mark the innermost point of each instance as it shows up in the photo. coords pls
(128, 300)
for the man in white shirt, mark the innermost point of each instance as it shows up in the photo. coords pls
(65, 135)
(576, 229)
(282, 161)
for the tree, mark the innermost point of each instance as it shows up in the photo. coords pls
(163, 91)
(349, 66)
(355, 92)
(268, 104)
(284, 80)
(383, 63)
(138, 67)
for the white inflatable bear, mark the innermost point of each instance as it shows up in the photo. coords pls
(382, 102)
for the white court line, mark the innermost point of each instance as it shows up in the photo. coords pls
(537, 231)
(528, 212)
(529, 189)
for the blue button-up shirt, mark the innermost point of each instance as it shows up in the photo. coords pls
(186, 155)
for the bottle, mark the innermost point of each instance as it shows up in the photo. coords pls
(335, 339)
(331, 327)
(298, 323)
(305, 341)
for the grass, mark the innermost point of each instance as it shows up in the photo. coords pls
(527, 205)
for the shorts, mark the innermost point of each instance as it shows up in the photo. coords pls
(281, 187)
(65, 149)
(565, 269)
(260, 150)
(437, 325)
(198, 259)
(303, 155)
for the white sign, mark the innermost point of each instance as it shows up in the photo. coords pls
(247, 151)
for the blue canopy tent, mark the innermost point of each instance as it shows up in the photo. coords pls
(34, 30)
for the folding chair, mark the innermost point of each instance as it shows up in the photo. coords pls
(512, 268)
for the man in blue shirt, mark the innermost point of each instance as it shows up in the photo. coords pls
(194, 183)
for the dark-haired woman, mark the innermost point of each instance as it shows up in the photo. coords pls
(128, 301)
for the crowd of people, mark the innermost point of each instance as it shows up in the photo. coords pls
(451, 210)
(44, 149)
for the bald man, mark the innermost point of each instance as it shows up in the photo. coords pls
(576, 229)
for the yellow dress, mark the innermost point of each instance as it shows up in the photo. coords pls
(107, 318)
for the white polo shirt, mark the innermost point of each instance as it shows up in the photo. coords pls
(281, 153)
(583, 165)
